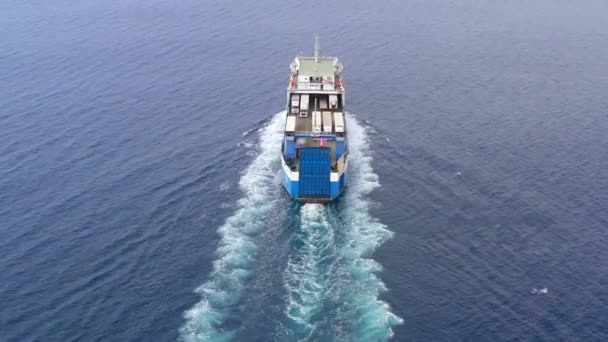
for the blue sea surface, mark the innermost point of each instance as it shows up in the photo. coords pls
(140, 197)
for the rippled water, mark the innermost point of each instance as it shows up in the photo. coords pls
(139, 197)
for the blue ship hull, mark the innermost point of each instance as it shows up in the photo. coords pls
(296, 189)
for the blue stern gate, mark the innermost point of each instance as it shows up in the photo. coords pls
(314, 172)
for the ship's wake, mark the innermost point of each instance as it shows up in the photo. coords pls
(223, 292)
(332, 284)
(357, 284)
(308, 271)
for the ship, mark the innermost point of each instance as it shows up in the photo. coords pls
(314, 153)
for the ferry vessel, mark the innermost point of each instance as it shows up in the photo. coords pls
(315, 146)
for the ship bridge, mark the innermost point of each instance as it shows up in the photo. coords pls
(316, 74)
(321, 75)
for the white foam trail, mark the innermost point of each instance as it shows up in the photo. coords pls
(308, 271)
(332, 284)
(367, 317)
(246, 133)
(238, 246)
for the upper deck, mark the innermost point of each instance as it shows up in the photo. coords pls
(316, 74)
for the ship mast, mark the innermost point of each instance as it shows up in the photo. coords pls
(317, 49)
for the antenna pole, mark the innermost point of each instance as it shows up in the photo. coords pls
(317, 49)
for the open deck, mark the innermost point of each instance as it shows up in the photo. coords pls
(323, 116)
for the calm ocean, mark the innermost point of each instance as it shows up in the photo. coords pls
(139, 189)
